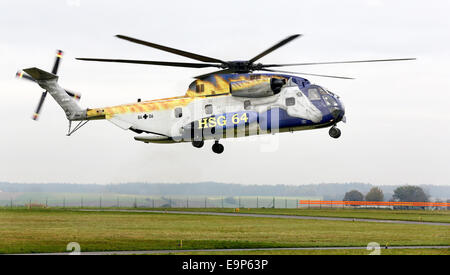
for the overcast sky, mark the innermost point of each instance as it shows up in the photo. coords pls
(398, 128)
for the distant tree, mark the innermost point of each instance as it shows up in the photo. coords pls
(353, 195)
(410, 193)
(375, 194)
(230, 200)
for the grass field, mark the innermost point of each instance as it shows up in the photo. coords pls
(406, 215)
(50, 230)
(328, 252)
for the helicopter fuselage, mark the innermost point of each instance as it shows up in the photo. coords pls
(224, 106)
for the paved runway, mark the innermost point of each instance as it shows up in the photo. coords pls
(272, 216)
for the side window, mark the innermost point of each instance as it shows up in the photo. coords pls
(178, 112)
(313, 94)
(247, 104)
(208, 109)
(290, 101)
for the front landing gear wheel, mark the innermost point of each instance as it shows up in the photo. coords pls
(334, 132)
(217, 147)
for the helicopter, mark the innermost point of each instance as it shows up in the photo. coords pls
(231, 102)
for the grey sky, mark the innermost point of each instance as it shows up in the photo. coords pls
(398, 128)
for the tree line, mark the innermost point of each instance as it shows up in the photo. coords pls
(402, 193)
(326, 191)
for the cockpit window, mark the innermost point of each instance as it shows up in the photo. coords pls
(329, 100)
(322, 91)
(313, 94)
(332, 94)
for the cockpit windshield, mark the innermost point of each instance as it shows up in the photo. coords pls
(329, 100)
(321, 90)
(316, 93)
(313, 93)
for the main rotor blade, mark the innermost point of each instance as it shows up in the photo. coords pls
(274, 47)
(321, 75)
(226, 71)
(161, 63)
(38, 109)
(171, 50)
(337, 62)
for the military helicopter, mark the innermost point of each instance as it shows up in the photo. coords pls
(230, 102)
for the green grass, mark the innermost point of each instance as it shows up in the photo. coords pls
(431, 251)
(49, 230)
(406, 215)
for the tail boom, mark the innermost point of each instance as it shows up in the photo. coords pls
(49, 82)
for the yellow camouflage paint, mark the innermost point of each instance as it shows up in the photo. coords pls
(220, 86)
(139, 107)
(245, 84)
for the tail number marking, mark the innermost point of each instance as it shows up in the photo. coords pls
(211, 122)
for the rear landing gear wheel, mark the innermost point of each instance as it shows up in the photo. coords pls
(334, 132)
(198, 143)
(217, 147)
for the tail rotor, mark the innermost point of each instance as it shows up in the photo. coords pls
(24, 75)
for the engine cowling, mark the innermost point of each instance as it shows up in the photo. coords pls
(257, 87)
